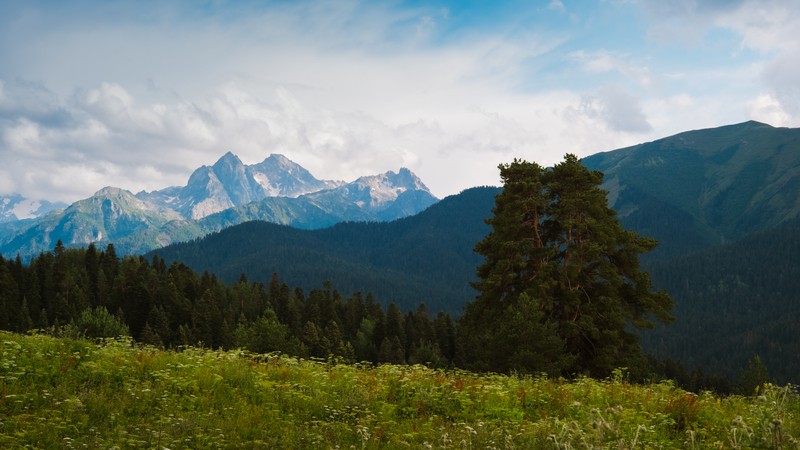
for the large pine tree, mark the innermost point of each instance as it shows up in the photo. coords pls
(560, 287)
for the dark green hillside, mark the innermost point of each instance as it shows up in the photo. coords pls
(427, 258)
(734, 302)
(706, 187)
(694, 192)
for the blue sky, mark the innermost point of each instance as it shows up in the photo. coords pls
(138, 94)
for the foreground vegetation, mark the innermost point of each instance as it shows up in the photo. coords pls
(65, 393)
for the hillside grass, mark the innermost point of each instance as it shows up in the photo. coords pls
(62, 393)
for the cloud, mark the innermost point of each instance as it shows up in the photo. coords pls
(114, 140)
(767, 109)
(686, 20)
(766, 27)
(116, 94)
(344, 88)
(556, 5)
(770, 27)
(782, 75)
(614, 107)
(20, 98)
(602, 61)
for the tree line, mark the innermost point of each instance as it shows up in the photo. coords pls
(94, 293)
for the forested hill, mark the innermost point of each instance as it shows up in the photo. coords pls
(734, 302)
(724, 204)
(427, 258)
(706, 187)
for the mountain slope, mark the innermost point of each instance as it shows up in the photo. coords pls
(706, 187)
(281, 177)
(108, 216)
(734, 302)
(424, 258)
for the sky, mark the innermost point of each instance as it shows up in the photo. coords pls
(138, 94)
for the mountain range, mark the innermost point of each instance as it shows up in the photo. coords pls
(723, 203)
(15, 207)
(227, 193)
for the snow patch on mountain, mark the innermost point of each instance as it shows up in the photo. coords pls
(16, 207)
(386, 187)
(227, 193)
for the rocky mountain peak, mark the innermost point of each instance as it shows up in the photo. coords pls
(228, 163)
(112, 192)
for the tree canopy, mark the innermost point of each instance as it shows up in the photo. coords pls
(560, 288)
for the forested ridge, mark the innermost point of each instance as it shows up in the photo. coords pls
(720, 322)
(89, 292)
(427, 258)
(93, 293)
(720, 202)
(736, 301)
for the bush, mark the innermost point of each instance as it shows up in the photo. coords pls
(99, 323)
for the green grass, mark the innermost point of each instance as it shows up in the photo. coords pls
(61, 393)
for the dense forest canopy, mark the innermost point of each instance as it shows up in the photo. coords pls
(95, 293)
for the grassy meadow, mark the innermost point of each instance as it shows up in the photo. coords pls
(64, 393)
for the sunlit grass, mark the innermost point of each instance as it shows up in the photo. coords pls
(61, 393)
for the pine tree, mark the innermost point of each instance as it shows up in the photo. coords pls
(753, 377)
(560, 284)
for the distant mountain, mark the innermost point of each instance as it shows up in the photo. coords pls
(426, 258)
(109, 215)
(230, 183)
(215, 197)
(381, 197)
(15, 207)
(707, 187)
(280, 177)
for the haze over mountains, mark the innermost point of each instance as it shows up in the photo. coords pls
(229, 192)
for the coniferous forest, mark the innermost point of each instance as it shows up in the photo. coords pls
(93, 293)
(561, 303)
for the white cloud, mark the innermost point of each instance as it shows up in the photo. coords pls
(767, 27)
(686, 20)
(425, 27)
(605, 61)
(767, 109)
(138, 97)
(616, 108)
(556, 5)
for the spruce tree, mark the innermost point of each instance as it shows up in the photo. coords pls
(560, 287)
